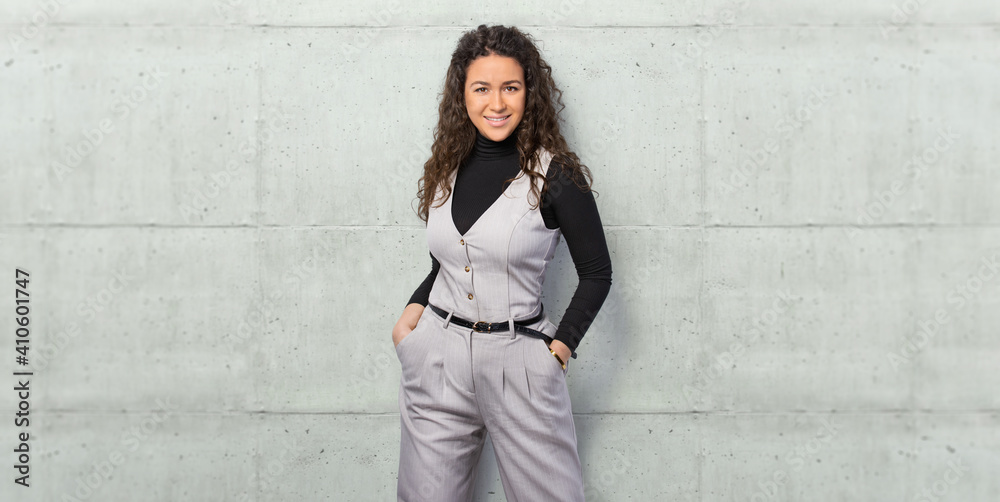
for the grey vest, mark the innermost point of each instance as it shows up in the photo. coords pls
(495, 271)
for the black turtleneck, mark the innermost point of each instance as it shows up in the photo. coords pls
(481, 180)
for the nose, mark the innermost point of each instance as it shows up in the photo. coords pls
(496, 102)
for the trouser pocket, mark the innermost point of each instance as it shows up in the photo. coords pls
(403, 345)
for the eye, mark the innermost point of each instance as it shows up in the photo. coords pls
(512, 87)
(480, 89)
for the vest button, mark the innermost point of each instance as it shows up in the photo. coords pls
(470, 296)
(462, 242)
(466, 268)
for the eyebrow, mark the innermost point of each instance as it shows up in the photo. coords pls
(487, 84)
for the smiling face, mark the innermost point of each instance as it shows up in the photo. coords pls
(494, 89)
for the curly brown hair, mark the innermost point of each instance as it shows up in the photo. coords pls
(455, 134)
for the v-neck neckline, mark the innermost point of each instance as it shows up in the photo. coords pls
(451, 198)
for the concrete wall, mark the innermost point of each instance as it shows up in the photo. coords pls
(215, 203)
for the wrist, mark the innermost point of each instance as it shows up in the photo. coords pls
(560, 349)
(558, 358)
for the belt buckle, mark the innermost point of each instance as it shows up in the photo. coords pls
(480, 329)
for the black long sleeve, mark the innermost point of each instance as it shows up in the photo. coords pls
(423, 291)
(575, 211)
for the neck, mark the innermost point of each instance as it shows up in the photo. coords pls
(486, 148)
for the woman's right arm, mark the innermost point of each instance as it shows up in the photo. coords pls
(423, 291)
(415, 306)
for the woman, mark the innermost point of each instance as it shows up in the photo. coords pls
(500, 188)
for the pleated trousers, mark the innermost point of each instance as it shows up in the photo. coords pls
(456, 385)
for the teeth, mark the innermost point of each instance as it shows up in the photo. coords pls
(497, 120)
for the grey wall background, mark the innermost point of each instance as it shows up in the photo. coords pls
(215, 201)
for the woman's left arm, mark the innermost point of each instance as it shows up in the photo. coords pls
(567, 206)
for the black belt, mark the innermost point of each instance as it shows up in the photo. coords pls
(489, 327)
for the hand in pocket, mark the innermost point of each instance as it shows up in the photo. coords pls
(398, 335)
(406, 323)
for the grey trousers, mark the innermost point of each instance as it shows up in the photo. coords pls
(456, 385)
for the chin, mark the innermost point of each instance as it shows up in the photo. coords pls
(497, 134)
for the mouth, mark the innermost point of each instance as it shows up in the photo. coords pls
(497, 121)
